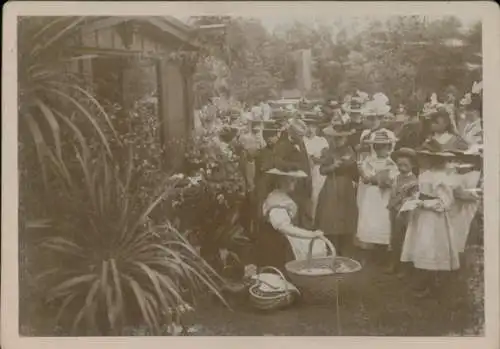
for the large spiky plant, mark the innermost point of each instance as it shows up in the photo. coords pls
(103, 261)
(52, 99)
(109, 264)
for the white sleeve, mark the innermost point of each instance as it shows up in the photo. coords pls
(280, 220)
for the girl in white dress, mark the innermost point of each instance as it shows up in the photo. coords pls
(430, 242)
(377, 172)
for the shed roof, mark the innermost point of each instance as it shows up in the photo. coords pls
(163, 24)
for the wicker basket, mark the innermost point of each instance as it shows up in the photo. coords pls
(323, 287)
(271, 300)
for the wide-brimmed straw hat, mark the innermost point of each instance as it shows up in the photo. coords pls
(354, 106)
(473, 153)
(434, 149)
(404, 152)
(338, 130)
(380, 137)
(286, 173)
(378, 106)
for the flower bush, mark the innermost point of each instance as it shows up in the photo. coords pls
(207, 204)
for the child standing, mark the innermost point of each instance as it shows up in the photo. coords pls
(430, 241)
(377, 172)
(404, 187)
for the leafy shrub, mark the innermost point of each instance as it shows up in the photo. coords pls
(208, 200)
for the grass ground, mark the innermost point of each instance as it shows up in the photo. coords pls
(371, 304)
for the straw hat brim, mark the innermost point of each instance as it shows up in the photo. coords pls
(389, 141)
(446, 154)
(353, 110)
(338, 133)
(404, 152)
(293, 174)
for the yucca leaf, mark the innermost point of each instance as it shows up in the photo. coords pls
(87, 178)
(61, 168)
(40, 276)
(38, 223)
(85, 113)
(140, 298)
(92, 293)
(95, 102)
(70, 283)
(206, 282)
(78, 319)
(108, 187)
(62, 32)
(79, 136)
(104, 277)
(171, 288)
(48, 26)
(154, 280)
(54, 125)
(39, 144)
(67, 300)
(63, 242)
(111, 307)
(151, 308)
(62, 249)
(117, 283)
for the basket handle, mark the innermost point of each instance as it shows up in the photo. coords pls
(277, 271)
(326, 241)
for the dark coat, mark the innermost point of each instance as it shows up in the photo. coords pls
(288, 157)
(337, 208)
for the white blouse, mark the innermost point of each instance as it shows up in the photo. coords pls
(280, 210)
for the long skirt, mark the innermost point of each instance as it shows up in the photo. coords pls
(337, 211)
(374, 223)
(318, 181)
(272, 248)
(464, 212)
(430, 242)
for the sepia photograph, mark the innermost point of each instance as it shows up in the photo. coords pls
(234, 174)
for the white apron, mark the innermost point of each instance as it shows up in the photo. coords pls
(314, 147)
(374, 224)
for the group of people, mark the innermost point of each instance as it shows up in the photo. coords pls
(366, 187)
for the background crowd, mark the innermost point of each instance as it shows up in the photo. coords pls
(402, 188)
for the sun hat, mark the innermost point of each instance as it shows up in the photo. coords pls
(354, 106)
(338, 130)
(434, 149)
(380, 137)
(377, 106)
(294, 174)
(404, 152)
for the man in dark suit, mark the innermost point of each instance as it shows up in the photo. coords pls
(290, 152)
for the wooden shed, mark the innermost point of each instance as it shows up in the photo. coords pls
(111, 43)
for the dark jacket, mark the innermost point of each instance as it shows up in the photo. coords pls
(289, 157)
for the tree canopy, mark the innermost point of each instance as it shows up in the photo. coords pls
(405, 57)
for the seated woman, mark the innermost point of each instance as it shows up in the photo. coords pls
(280, 240)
